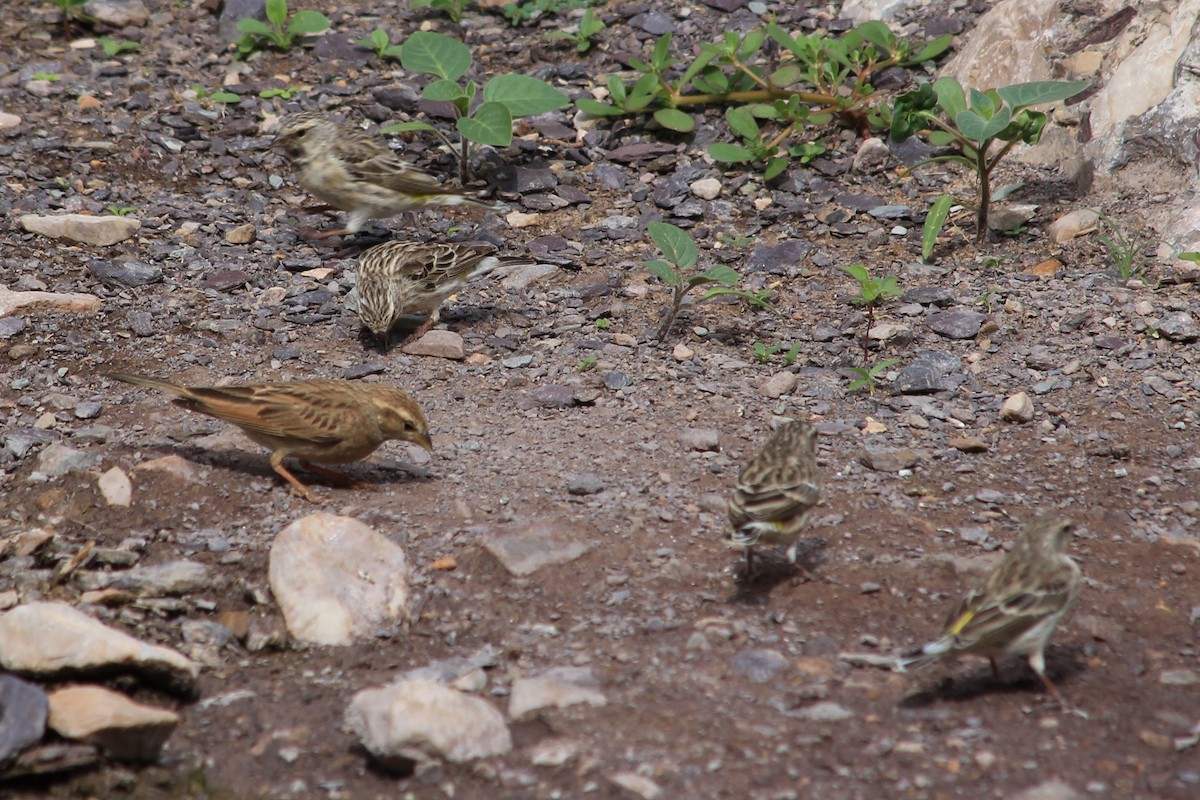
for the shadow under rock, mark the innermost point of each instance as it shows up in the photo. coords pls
(771, 569)
(1062, 662)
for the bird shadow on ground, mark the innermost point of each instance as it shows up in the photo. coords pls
(1062, 662)
(772, 569)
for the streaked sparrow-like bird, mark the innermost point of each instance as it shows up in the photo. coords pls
(776, 491)
(327, 421)
(353, 171)
(1017, 607)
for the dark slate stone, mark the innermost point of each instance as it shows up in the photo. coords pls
(956, 324)
(11, 326)
(929, 296)
(125, 273)
(779, 258)
(530, 179)
(654, 23)
(23, 711)
(585, 483)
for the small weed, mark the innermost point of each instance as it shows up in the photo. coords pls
(764, 353)
(677, 270)
(586, 363)
(872, 293)
(581, 37)
(278, 31)
(451, 8)
(735, 240)
(381, 43)
(120, 211)
(1122, 249)
(935, 220)
(985, 299)
(530, 10)
(225, 98)
(72, 11)
(53, 77)
(603, 324)
(285, 93)
(112, 47)
(867, 375)
(992, 262)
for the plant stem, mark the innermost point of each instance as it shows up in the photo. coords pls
(866, 340)
(985, 194)
(676, 304)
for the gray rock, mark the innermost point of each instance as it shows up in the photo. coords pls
(552, 396)
(234, 10)
(11, 326)
(118, 13)
(417, 722)
(558, 688)
(654, 23)
(1042, 358)
(585, 483)
(21, 440)
(1048, 790)
(929, 296)
(1179, 326)
(23, 710)
(438, 344)
(172, 579)
(702, 439)
(778, 259)
(98, 231)
(891, 212)
(615, 380)
(337, 580)
(57, 460)
(1017, 408)
(516, 362)
(955, 324)
(519, 278)
(825, 712)
(524, 549)
(88, 409)
(889, 459)
(451, 669)
(531, 179)
(778, 385)
(1179, 677)
(758, 665)
(125, 273)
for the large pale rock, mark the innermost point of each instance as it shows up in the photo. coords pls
(439, 344)
(12, 303)
(99, 231)
(115, 488)
(126, 730)
(984, 60)
(419, 721)
(558, 688)
(524, 549)
(337, 580)
(54, 640)
(118, 13)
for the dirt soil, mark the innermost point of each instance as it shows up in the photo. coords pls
(687, 651)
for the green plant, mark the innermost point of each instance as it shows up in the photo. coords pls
(867, 375)
(766, 75)
(451, 8)
(764, 353)
(971, 122)
(505, 97)
(53, 77)
(226, 98)
(586, 363)
(872, 293)
(1192, 256)
(72, 11)
(112, 47)
(939, 212)
(588, 27)
(735, 240)
(675, 269)
(1122, 249)
(286, 93)
(381, 43)
(120, 211)
(530, 10)
(993, 262)
(278, 31)
(985, 299)
(603, 323)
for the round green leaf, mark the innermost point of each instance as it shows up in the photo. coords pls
(254, 27)
(490, 124)
(675, 244)
(524, 96)
(443, 91)
(435, 54)
(729, 153)
(308, 22)
(674, 119)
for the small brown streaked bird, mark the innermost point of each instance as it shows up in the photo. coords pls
(777, 491)
(353, 171)
(398, 278)
(1016, 608)
(327, 421)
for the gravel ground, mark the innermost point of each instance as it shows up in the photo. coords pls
(716, 687)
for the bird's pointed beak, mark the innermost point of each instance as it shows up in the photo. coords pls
(425, 441)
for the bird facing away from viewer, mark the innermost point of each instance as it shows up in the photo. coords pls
(327, 421)
(398, 278)
(356, 172)
(777, 491)
(1017, 607)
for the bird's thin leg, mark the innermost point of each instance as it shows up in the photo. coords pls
(996, 668)
(1037, 662)
(285, 473)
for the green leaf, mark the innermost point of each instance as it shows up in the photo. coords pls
(729, 153)
(663, 271)
(726, 276)
(304, 22)
(524, 96)
(775, 167)
(742, 122)
(643, 93)
(490, 124)
(1035, 93)
(408, 126)
(941, 138)
(786, 75)
(1192, 256)
(254, 27)
(228, 98)
(859, 273)
(1006, 190)
(978, 129)
(443, 91)
(435, 54)
(380, 39)
(878, 34)
(675, 120)
(277, 12)
(934, 221)
(675, 244)
(950, 96)
(596, 108)
(931, 50)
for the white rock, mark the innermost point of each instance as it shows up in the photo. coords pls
(337, 580)
(522, 276)
(872, 153)
(778, 385)
(1048, 790)
(115, 488)
(682, 352)
(519, 219)
(126, 730)
(99, 231)
(176, 466)
(57, 460)
(172, 579)
(439, 344)
(524, 549)
(1068, 226)
(636, 784)
(559, 687)
(860, 11)
(1017, 408)
(706, 188)
(118, 13)
(9, 122)
(12, 303)
(53, 639)
(420, 721)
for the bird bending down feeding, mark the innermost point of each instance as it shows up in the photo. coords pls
(398, 278)
(355, 172)
(1017, 607)
(327, 421)
(776, 492)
